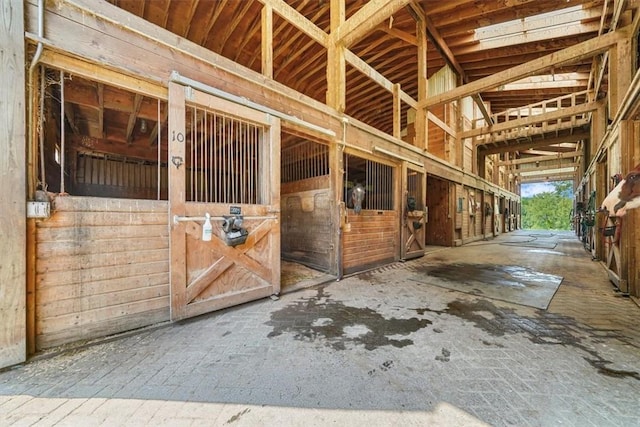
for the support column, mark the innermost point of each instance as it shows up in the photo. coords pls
(13, 228)
(267, 41)
(336, 63)
(620, 74)
(422, 123)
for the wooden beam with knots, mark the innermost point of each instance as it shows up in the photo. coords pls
(365, 19)
(298, 20)
(570, 55)
(133, 118)
(534, 143)
(551, 116)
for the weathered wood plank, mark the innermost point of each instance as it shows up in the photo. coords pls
(98, 287)
(12, 175)
(99, 204)
(98, 260)
(57, 278)
(115, 219)
(119, 324)
(63, 248)
(88, 303)
(84, 323)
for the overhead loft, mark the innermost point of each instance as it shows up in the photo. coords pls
(384, 42)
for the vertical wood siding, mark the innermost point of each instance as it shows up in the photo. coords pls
(102, 268)
(307, 226)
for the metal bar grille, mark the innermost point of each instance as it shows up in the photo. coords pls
(414, 188)
(304, 160)
(377, 179)
(224, 155)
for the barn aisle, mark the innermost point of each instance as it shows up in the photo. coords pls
(295, 276)
(376, 348)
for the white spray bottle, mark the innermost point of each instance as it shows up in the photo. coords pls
(207, 229)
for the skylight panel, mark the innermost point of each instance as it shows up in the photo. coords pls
(557, 23)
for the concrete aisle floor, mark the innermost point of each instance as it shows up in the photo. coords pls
(378, 348)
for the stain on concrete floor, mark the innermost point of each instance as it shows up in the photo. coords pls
(337, 324)
(545, 328)
(511, 283)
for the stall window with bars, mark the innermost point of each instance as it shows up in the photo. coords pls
(304, 160)
(414, 188)
(225, 158)
(377, 179)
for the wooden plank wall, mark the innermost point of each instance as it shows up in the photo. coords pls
(13, 226)
(102, 268)
(105, 177)
(306, 226)
(370, 239)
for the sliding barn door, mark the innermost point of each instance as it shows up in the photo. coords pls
(223, 166)
(413, 213)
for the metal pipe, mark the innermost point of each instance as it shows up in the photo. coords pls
(34, 62)
(159, 125)
(178, 218)
(62, 136)
(43, 173)
(177, 78)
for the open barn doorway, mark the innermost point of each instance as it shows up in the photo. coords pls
(308, 223)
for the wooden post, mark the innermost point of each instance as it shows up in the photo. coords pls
(620, 74)
(422, 123)
(629, 236)
(397, 111)
(267, 41)
(177, 200)
(634, 221)
(336, 62)
(12, 175)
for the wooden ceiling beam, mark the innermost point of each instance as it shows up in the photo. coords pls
(540, 142)
(366, 19)
(298, 20)
(399, 34)
(548, 178)
(554, 168)
(523, 39)
(133, 117)
(535, 132)
(537, 159)
(532, 120)
(569, 55)
(196, 33)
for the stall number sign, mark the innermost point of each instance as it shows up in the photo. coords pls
(235, 210)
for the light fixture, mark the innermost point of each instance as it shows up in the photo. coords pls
(143, 126)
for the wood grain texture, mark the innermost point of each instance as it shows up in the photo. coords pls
(102, 268)
(12, 175)
(370, 238)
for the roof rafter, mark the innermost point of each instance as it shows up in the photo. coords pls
(366, 19)
(569, 55)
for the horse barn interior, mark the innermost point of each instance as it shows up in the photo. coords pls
(168, 158)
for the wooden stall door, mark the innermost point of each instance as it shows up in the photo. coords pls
(413, 213)
(223, 162)
(440, 205)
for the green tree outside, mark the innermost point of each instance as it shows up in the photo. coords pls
(549, 210)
